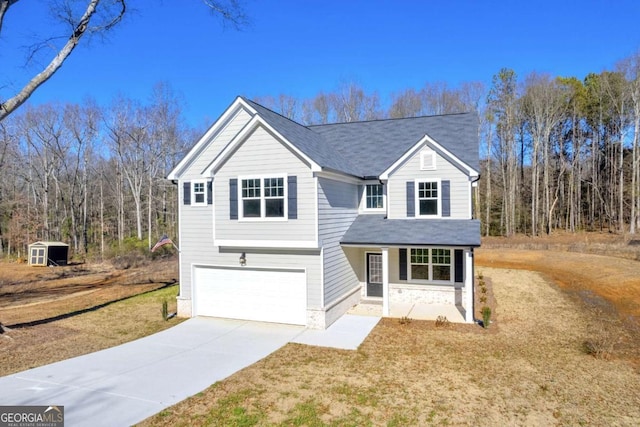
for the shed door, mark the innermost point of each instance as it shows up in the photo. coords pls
(268, 295)
(37, 256)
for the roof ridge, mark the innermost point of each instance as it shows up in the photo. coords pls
(274, 112)
(392, 119)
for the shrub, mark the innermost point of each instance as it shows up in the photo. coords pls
(486, 316)
(165, 310)
(442, 322)
(404, 320)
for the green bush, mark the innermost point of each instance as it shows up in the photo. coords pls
(165, 310)
(486, 316)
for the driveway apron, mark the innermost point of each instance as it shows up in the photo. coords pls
(128, 383)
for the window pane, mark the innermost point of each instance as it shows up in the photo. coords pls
(428, 207)
(441, 272)
(199, 198)
(374, 196)
(274, 187)
(251, 208)
(419, 256)
(420, 272)
(441, 256)
(274, 208)
(250, 188)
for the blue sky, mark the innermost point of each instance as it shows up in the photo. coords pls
(303, 47)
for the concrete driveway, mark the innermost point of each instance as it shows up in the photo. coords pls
(128, 383)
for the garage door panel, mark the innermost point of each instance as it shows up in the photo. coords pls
(251, 294)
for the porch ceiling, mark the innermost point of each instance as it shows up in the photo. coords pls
(377, 230)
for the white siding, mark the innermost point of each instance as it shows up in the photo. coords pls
(262, 154)
(196, 222)
(410, 170)
(337, 209)
(216, 145)
(196, 239)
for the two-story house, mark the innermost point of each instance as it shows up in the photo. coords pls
(287, 223)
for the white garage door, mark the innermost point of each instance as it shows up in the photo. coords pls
(267, 295)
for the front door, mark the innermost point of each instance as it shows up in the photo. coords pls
(374, 275)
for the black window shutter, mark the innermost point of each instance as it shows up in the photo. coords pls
(233, 198)
(446, 198)
(402, 255)
(292, 195)
(411, 201)
(459, 266)
(186, 196)
(209, 192)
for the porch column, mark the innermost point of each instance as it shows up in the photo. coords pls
(385, 281)
(468, 285)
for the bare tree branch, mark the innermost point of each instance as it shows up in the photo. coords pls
(78, 31)
(230, 11)
(4, 6)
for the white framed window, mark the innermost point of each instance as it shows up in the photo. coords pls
(263, 197)
(431, 265)
(428, 160)
(428, 198)
(374, 196)
(199, 193)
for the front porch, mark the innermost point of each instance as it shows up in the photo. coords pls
(415, 311)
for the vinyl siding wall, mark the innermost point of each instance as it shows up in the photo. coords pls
(337, 209)
(224, 135)
(196, 222)
(262, 155)
(196, 240)
(410, 170)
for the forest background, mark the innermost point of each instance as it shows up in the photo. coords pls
(557, 153)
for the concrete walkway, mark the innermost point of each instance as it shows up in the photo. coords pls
(128, 383)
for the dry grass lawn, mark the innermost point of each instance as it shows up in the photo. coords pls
(529, 368)
(73, 310)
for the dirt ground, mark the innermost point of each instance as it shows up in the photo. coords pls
(37, 294)
(52, 314)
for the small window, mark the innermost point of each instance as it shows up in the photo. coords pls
(199, 193)
(428, 160)
(428, 199)
(263, 197)
(374, 196)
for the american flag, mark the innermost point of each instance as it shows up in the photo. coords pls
(164, 240)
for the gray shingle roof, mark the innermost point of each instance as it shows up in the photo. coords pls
(376, 145)
(366, 149)
(377, 230)
(309, 142)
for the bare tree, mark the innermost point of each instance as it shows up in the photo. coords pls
(543, 107)
(75, 19)
(630, 67)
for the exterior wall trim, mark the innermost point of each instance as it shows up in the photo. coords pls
(218, 126)
(280, 244)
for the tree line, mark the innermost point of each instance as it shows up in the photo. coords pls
(91, 175)
(556, 153)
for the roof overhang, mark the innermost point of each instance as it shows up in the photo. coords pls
(236, 106)
(377, 230)
(255, 122)
(428, 141)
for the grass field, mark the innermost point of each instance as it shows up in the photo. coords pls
(73, 311)
(528, 368)
(555, 303)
